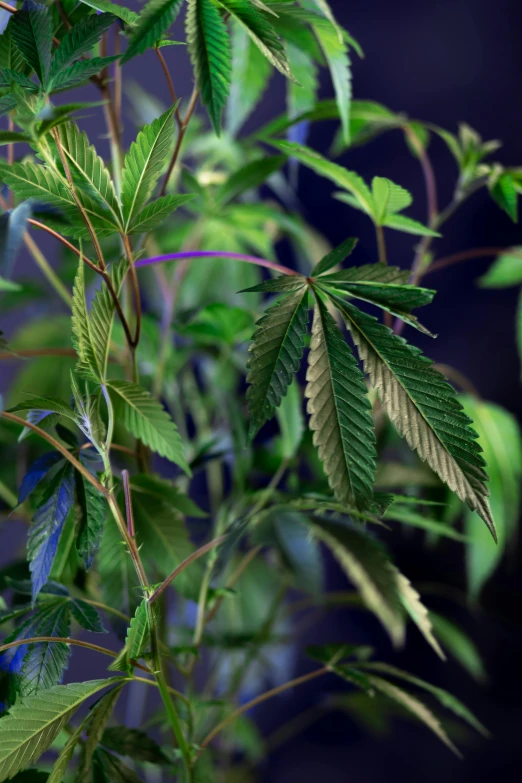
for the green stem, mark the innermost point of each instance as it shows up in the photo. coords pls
(8, 496)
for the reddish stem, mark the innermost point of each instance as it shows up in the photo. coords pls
(285, 270)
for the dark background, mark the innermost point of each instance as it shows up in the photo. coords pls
(445, 61)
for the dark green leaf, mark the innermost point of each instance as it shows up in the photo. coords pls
(154, 21)
(86, 616)
(80, 39)
(334, 257)
(134, 744)
(79, 72)
(45, 662)
(91, 513)
(253, 175)
(32, 33)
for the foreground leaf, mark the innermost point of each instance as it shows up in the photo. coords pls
(33, 724)
(154, 20)
(32, 33)
(275, 355)
(80, 39)
(340, 413)
(423, 407)
(45, 662)
(411, 601)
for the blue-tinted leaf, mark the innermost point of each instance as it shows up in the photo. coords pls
(12, 229)
(47, 525)
(92, 509)
(38, 470)
(45, 662)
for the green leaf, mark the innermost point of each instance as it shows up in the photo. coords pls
(291, 421)
(411, 601)
(275, 355)
(209, 49)
(8, 78)
(40, 403)
(144, 163)
(372, 273)
(134, 744)
(423, 407)
(366, 564)
(250, 176)
(409, 226)
(281, 284)
(155, 213)
(336, 54)
(447, 700)
(160, 489)
(146, 419)
(7, 104)
(251, 73)
(299, 550)
(459, 645)
(78, 40)
(125, 14)
(500, 438)
(33, 724)
(154, 21)
(388, 198)
(340, 416)
(89, 174)
(91, 513)
(32, 33)
(86, 616)
(119, 583)
(45, 662)
(334, 257)
(261, 31)
(79, 72)
(504, 193)
(415, 707)
(407, 517)
(505, 271)
(346, 179)
(137, 633)
(301, 96)
(94, 726)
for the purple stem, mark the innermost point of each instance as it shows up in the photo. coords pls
(215, 254)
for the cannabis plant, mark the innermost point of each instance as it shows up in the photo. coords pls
(157, 462)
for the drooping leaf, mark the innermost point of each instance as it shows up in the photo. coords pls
(154, 21)
(45, 662)
(33, 724)
(32, 33)
(146, 419)
(79, 39)
(79, 72)
(209, 49)
(258, 26)
(407, 516)
(123, 13)
(250, 76)
(47, 525)
(92, 509)
(155, 213)
(339, 411)
(460, 646)
(423, 407)
(275, 355)
(411, 601)
(366, 564)
(334, 257)
(144, 163)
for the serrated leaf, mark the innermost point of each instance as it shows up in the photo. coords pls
(346, 179)
(155, 213)
(338, 60)
(334, 257)
(125, 14)
(423, 407)
(33, 724)
(92, 510)
(8, 78)
(281, 284)
(504, 194)
(447, 700)
(134, 744)
(47, 404)
(251, 73)
(154, 21)
(94, 726)
(79, 72)
(45, 662)
(119, 583)
(376, 273)
(7, 104)
(339, 411)
(415, 707)
(462, 648)
(138, 632)
(260, 31)
(31, 29)
(146, 419)
(250, 176)
(37, 472)
(89, 173)
(79, 39)
(411, 601)
(388, 198)
(47, 525)
(209, 49)
(144, 163)
(366, 565)
(86, 616)
(275, 355)
(409, 226)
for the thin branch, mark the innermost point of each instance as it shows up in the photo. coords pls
(59, 640)
(8, 8)
(64, 241)
(468, 255)
(184, 564)
(260, 699)
(59, 447)
(243, 565)
(136, 290)
(168, 77)
(458, 378)
(285, 270)
(181, 135)
(128, 503)
(28, 353)
(428, 173)
(381, 245)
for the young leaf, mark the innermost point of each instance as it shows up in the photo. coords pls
(91, 512)
(47, 525)
(409, 226)
(366, 564)
(260, 30)
(275, 354)
(423, 407)
(389, 198)
(209, 49)
(125, 14)
(155, 213)
(46, 662)
(144, 163)
(335, 257)
(33, 724)
(504, 193)
(79, 39)
(416, 707)
(138, 633)
(154, 21)
(146, 419)
(340, 413)
(32, 33)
